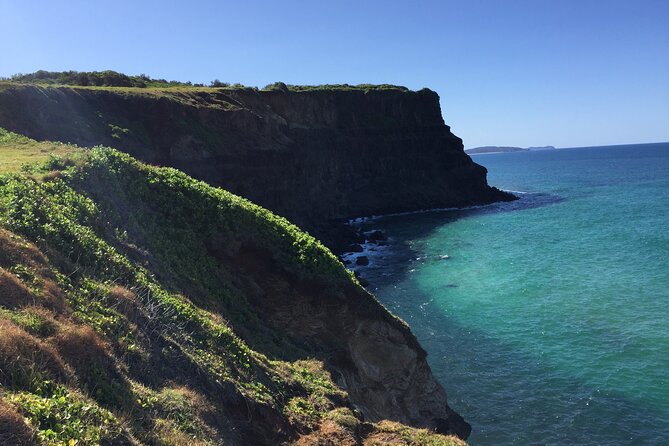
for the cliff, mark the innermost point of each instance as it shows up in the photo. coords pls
(141, 306)
(311, 156)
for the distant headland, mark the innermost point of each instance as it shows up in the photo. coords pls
(502, 149)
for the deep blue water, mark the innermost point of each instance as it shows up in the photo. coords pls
(549, 320)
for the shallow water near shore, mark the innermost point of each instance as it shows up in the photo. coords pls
(546, 319)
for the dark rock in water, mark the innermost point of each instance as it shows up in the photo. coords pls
(455, 424)
(376, 236)
(338, 235)
(354, 248)
(362, 260)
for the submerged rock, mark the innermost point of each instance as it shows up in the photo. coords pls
(362, 260)
(376, 236)
(355, 248)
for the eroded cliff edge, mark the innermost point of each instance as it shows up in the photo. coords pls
(131, 289)
(311, 156)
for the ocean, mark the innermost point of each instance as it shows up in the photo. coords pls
(546, 319)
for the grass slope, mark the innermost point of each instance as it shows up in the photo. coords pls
(17, 150)
(117, 326)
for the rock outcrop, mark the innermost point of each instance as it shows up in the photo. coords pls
(311, 156)
(372, 354)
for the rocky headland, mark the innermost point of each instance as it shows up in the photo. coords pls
(128, 288)
(313, 156)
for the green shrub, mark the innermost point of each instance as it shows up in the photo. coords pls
(66, 419)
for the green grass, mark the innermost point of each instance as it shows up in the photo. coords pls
(66, 418)
(335, 87)
(17, 150)
(94, 78)
(119, 81)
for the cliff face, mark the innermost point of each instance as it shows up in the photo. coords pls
(310, 156)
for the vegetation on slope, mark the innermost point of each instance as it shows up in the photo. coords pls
(113, 79)
(106, 78)
(280, 86)
(118, 325)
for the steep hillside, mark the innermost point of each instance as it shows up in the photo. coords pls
(141, 306)
(310, 154)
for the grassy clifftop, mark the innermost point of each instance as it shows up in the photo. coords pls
(141, 306)
(113, 79)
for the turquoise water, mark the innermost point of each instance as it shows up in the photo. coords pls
(549, 321)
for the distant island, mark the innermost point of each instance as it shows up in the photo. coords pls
(502, 149)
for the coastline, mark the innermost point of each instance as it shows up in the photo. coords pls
(492, 317)
(360, 239)
(342, 234)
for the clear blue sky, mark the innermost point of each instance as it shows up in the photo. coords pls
(562, 72)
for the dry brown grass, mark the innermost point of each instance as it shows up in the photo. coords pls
(25, 360)
(122, 293)
(14, 431)
(126, 302)
(13, 293)
(168, 435)
(80, 343)
(16, 251)
(94, 366)
(328, 434)
(392, 433)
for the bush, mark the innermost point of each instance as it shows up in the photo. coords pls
(107, 78)
(95, 368)
(276, 86)
(65, 418)
(217, 83)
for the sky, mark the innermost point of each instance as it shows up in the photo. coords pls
(513, 73)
